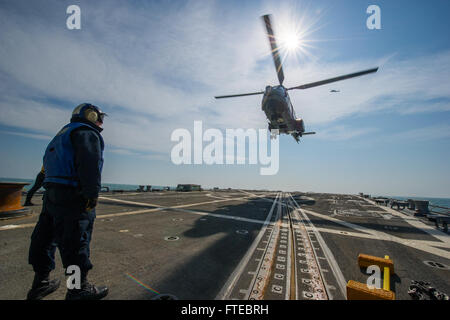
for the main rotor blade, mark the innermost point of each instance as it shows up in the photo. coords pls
(347, 76)
(239, 95)
(275, 48)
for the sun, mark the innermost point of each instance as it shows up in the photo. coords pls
(291, 41)
(294, 34)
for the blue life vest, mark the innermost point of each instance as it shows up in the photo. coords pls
(59, 157)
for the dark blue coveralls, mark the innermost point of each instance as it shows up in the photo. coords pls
(38, 183)
(73, 162)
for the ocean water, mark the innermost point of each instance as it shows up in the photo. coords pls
(442, 202)
(111, 186)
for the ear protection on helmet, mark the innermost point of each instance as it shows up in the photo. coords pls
(91, 115)
(89, 112)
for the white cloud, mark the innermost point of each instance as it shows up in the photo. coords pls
(123, 152)
(32, 115)
(28, 135)
(157, 69)
(417, 84)
(343, 133)
(425, 134)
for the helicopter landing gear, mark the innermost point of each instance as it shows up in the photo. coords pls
(273, 133)
(296, 137)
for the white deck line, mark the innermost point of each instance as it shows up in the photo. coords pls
(291, 239)
(369, 236)
(143, 204)
(233, 278)
(431, 230)
(216, 215)
(416, 244)
(266, 260)
(342, 283)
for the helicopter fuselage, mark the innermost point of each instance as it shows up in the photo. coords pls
(276, 103)
(279, 111)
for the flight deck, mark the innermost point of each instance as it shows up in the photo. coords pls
(238, 244)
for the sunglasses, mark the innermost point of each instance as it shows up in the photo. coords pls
(101, 116)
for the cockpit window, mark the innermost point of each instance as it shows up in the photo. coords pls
(279, 90)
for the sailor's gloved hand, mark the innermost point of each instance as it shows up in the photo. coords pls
(91, 203)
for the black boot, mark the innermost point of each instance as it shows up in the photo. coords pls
(28, 203)
(87, 291)
(42, 286)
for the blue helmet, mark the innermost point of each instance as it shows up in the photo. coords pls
(89, 112)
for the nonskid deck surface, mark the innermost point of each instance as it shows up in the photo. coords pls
(238, 244)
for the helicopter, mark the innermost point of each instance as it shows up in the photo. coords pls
(276, 103)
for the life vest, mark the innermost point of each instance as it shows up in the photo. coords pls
(59, 157)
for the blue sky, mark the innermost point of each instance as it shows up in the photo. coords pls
(155, 66)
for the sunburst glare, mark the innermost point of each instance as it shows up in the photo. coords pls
(290, 41)
(293, 32)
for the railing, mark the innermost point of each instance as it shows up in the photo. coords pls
(444, 211)
(432, 209)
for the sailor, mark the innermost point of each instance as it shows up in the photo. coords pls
(37, 185)
(73, 163)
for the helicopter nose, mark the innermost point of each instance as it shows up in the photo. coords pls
(275, 104)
